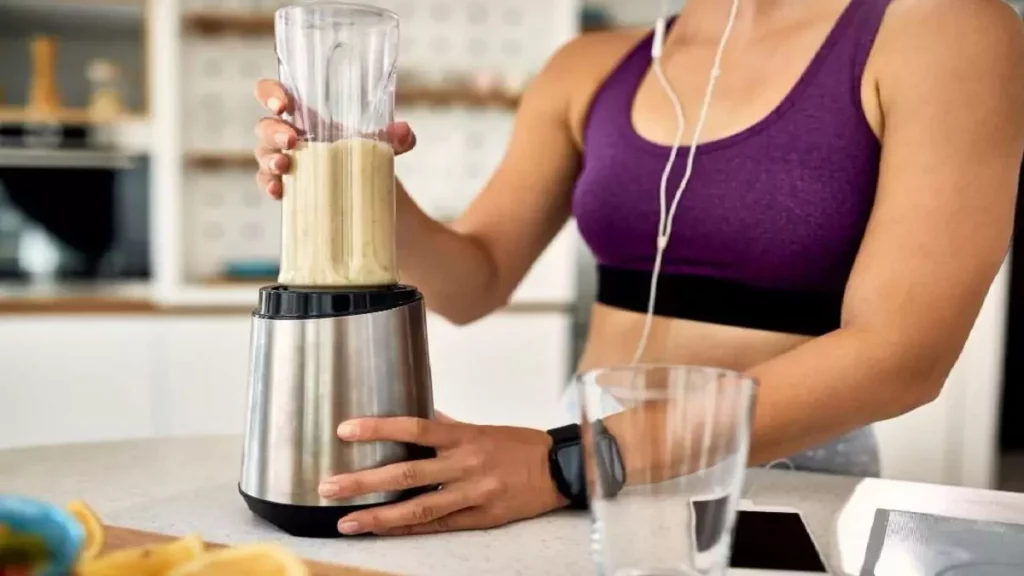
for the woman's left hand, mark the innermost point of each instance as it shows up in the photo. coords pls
(491, 475)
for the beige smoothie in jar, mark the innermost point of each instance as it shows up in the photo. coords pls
(338, 221)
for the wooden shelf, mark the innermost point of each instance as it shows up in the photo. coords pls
(75, 305)
(206, 22)
(220, 160)
(214, 23)
(415, 96)
(455, 96)
(63, 116)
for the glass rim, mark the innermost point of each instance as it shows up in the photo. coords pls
(378, 17)
(741, 379)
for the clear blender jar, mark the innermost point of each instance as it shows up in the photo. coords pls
(338, 63)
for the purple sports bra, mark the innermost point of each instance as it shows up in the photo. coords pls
(767, 231)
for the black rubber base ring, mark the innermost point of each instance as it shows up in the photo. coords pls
(312, 521)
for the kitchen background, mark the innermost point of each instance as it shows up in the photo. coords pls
(133, 238)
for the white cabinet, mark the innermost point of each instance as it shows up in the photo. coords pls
(507, 369)
(202, 374)
(553, 277)
(74, 379)
(94, 378)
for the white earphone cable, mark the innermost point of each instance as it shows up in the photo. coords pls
(666, 214)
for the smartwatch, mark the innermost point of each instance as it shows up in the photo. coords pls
(567, 466)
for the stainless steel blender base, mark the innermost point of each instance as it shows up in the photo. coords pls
(320, 358)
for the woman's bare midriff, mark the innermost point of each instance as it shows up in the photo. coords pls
(614, 333)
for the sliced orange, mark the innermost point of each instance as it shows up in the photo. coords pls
(94, 534)
(152, 560)
(251, 560)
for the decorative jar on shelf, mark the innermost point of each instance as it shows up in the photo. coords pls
(106, 102)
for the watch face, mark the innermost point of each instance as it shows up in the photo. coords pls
(613, 471)
(570, 461)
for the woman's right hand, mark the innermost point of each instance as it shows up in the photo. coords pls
(276, 136)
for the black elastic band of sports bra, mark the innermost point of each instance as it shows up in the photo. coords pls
(716, 301)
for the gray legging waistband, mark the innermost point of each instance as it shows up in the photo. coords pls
(855, 454)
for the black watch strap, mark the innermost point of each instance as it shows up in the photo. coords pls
(566, 462)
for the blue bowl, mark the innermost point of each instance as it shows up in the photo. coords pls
(59, 531)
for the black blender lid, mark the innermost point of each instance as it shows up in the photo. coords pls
(285, 303)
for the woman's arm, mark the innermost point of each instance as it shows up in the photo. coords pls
(951, 84)
(470, 267)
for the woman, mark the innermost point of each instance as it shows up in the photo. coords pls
(851, 203)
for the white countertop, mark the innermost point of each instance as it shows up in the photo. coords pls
(188, 485)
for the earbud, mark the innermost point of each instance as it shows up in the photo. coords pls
(658, 45)
(666, 214)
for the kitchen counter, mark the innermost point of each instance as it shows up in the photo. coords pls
(186, 485)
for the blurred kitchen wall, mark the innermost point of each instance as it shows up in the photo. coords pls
(83, 33)
(632, 12)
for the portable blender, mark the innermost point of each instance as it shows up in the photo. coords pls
(339, 337)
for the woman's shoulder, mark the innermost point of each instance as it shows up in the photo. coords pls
(969, 28)
(594, 47)
(925, 15)
(963, 48)
(590, 57)
(580, 67)
(562, 91)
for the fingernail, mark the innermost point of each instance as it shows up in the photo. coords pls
(348, 429)
(349, 527)
(277, 164)
(275, 105)
(282, 140)
(327, 489)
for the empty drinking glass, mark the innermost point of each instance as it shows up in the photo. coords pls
(666, 454)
